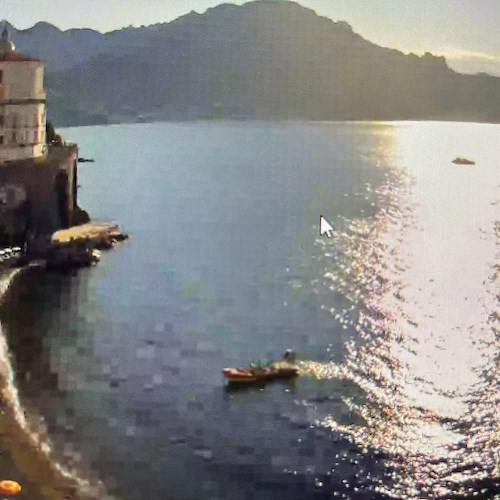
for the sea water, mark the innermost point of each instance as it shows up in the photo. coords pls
(392, 318)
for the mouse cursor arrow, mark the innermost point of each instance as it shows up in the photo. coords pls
(325, 228)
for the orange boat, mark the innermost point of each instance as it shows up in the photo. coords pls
(259, 374)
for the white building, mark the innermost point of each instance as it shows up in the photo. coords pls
(22, 104)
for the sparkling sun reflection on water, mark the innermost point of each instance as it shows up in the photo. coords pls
(421, 279)
(409, 278)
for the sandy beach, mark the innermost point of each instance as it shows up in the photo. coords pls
(24, 456)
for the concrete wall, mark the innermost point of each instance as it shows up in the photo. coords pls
(38, 196)
(22, 80)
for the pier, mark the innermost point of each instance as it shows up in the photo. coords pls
(95, 233)
(79, 246)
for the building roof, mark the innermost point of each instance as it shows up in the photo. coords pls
(12, 56)
(8, 50)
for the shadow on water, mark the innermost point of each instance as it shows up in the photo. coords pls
(286, 385)
(35, 308)
(24, 321)
(25, 326)
(27, 313)
(124, 360)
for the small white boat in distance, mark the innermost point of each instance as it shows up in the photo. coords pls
(463, 161)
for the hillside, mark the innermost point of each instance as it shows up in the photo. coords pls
(261, 60)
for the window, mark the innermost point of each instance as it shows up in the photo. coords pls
(14, 138)
(1, 139)
(1, 75)
(35, 136)
(1, 121)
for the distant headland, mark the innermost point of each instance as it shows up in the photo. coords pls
(261, 60)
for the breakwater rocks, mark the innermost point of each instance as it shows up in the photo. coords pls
(95, 233)
(79, 245)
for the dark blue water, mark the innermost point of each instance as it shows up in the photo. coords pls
(123, 360)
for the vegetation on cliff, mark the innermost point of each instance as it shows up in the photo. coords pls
(264, 60)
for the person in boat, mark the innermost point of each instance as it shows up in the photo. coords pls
(289, 356)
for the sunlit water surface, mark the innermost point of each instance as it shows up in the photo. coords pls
(394, 317)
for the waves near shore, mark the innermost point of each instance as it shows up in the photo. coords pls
(31, 436)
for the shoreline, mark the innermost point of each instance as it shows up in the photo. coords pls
(25, 456)
(282, 120)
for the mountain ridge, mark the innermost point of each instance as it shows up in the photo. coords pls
(259, 60)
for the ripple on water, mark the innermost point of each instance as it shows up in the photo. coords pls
(427, 371)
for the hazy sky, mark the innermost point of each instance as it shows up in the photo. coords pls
(467, 32)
